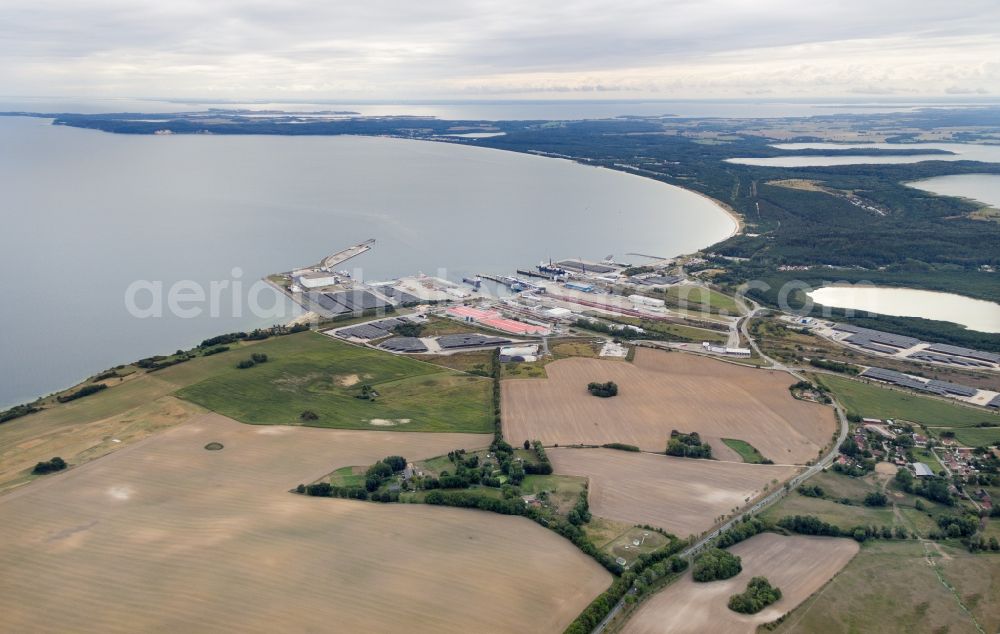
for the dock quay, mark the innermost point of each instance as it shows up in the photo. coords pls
(512, 283)
(340, 257)
(544, 276)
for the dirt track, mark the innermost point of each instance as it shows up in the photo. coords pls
(662, 391)
(166, 536)
(798, 565)
(681, 495)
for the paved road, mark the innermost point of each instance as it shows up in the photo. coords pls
(775, 495)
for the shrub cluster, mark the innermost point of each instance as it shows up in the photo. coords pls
(934, 489)
(687, 446)
(326, 490)
(833, 366)
(255, 359)
(758, 595)
(580, 513)
(715, 564)
(603, 390)
(159, 361)
(378, 473)
(953, 526)
(876, 498)
(543, 467)
(49, 466)
(256, 335)
(17, 412)
(408, 329)
(104, 376)
(86, 390)
(620, 446)
(740, 531)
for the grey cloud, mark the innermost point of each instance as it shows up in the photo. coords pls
(252, 48)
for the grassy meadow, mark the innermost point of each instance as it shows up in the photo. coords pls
(879, 402)
(312, 372)
(900, 586)
(747, 451)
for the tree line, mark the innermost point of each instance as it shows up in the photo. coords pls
(86, 390)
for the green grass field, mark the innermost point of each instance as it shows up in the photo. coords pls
(890, 587)
(879, 402)
(675, 331)
(696, 296)
(929, 458)
(308, 371)
(348, 477)
(838, 486)
(519, 370)
(747, 451)
(843, 515)
(974, 436)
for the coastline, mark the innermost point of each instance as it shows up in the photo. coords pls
(735, 216)
(740, 225)
(732, 213)
(736, 228)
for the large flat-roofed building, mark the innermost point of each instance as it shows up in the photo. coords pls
(954, 389)
(404, 344)
(941, 388)
(863, 336)
(470, 340)
(343, 302)
(922, 471)
(371, 330)
(893, 377)
(316, 280)
(957, 351)
(519, 353)
(646, 301)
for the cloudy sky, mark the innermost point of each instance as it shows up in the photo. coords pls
(401, 49)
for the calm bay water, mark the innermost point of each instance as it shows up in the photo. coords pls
(87, 213)
(962, 152)
(975, 314)
(983, 188)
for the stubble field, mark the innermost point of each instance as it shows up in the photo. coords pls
(680, 495)
(166, 536)
(798, 565)
(661, 391)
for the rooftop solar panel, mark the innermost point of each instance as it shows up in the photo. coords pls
(953, 388)
(965, 352)
(469, 340)
(404, 344)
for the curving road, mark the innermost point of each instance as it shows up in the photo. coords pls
(775, 495)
